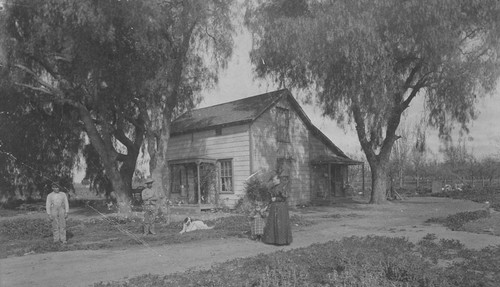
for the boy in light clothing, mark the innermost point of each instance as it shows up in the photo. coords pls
(57, 207)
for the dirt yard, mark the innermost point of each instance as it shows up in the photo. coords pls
(399, 219)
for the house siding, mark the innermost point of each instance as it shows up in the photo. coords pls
(318, 148)
(267, 150)
(320, 183)
(233, 144)
(254, 149)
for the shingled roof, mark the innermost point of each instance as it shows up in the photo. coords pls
(232, 113)
(240, 112)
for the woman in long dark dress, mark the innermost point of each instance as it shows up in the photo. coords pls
(278, 230)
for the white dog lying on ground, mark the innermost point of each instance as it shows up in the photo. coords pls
(190, 225)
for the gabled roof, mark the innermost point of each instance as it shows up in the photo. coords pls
(240, 112)
(232, 113)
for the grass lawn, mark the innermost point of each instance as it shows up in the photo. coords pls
(358, 261)
(480, 195)
(20, 236)
(368, 261)
(354, 261)
(485, 221)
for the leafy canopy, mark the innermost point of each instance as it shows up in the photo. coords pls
(372, 58)
(120, 69)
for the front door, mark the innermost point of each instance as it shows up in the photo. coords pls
(337, 181)
(184, 183)
(208, 179)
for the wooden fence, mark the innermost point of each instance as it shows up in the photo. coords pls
(426, 183)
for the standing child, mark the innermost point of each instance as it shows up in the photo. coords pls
(149, 197)
(57, 208)
(257, 222)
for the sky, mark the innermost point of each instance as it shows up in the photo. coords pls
(238, 82)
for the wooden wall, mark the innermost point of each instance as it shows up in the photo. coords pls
(266, 150)
(233, 143)
(318, 148)
(254, 148)
(320, 181)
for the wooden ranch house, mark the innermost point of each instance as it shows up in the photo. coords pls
(213, 151)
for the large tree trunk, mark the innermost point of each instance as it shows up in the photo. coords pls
(160, 172)
(127, 170)
(121, 190)
(379, 183)
(108, 157)
(378, 163)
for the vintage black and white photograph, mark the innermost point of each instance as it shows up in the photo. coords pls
(266, 143)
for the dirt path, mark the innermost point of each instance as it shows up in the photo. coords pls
(83, 268)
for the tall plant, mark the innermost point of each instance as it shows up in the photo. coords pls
(367, 60)
(122, 69)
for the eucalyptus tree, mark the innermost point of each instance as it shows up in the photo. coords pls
(367, 60)
(122, 69)
(201, 37)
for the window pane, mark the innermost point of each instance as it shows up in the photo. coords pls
(282, 121)
(226, 175)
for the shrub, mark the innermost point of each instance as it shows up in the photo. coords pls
(23, 228)
(244, 205)
(12, 204)
(452, 244)
(255, 191)
(430, 236)
(457, 221)
(355, 261)
(479, 195)
(284, 275)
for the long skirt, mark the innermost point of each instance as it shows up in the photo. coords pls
(278, 230)
(257, 225)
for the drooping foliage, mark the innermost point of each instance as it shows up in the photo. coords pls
(367, 60)
(122, 69)
(37, 147)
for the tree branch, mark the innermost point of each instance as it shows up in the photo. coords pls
(45, 64)
(121, 137)
(360, 130)
(58, 95)
(52, 90)
(415, 89)
(135, 122)
(121, 157)
(412, 74)
(40, 89)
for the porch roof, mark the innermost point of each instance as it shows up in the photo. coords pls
(199, 159)
(332, 159)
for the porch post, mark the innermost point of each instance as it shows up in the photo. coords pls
(199, 183)
(330, 182)
(363, 173)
